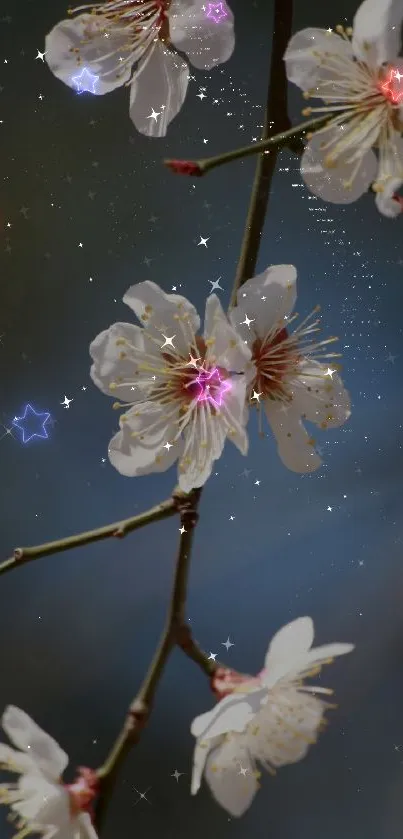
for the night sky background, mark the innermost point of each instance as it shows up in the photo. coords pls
(78, 629)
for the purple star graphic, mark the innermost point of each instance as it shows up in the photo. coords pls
(212, 387)
(28, 434)
(216, 12)
(85, 81)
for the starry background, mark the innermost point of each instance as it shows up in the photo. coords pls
(78, 629)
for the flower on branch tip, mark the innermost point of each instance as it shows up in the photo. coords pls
(271, 719)
(183, 394)
(359, 76)
(184, 167)
(291, 379)
(40, 801)
(137, 43)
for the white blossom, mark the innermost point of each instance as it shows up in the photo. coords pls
(359, 76)
(134, 43)
(40, 801)
(271, 719)
(183, 394)
(291, 381)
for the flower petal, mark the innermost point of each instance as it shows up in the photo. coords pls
(200, 755)
(26, 735)
(79, 43)
(138, 448)
(235, 411)
(327, 183)
(320, 398)
(158, 86)
(231, 776)
(376, 31)
(294, 445)
(196, 33)
(266, 299)
(164, 315)
(44, 803)
(390, 175)
(286, 648)
(204, 439)
(86, 828)
(303, 62)
(15, 761)
(286, 727)
(224, 343)
(321, 655)
(111, 368)
(233, 713)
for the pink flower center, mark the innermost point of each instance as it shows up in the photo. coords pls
(83, 791)
(224, 682)
(275, 358)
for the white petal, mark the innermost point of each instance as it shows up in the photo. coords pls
(234, 409)
(80, 42)
(164, 315)
(320, 655)
(108, 365)
(390, 175)
(15, 761)
(144, 454)
(386, 203)
(86, 828)
(376, 31)
(303, 65)
(231, 776)
(204, 439)
(200, 755)
(42, 802)
(328, 184)
(266, 299)
(228, 349)
(295, 447)
(233, 713)
(286, 727)
(286, 648)
(205, 42)
(159, 85)
(319, 398)
(26, 735)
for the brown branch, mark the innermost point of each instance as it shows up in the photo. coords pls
(276, 115)
(175, 632)
(118, 529)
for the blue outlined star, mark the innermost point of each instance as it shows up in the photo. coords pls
(40, 422)
(85, 81)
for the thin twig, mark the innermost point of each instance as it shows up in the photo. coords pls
(119, 529)
(140, 708)
(276, 115)
(197, 168)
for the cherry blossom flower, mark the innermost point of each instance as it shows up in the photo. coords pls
(290, 381)
(183, 393)
(359, 76)
(271, 719)
(134, 43)
(40, 801)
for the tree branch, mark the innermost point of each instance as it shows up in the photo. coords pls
(276, 114)
(292, 138)
(140, 707)
(119, 529)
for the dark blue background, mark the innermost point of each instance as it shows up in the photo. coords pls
(78, 629)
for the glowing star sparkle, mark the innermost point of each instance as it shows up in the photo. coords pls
(30, 420)
(85, 81)
(212, 387)
(393, 87)
(216, 12)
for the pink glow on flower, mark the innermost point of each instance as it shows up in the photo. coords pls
(393, 87)
(216, 12)
(212, 386)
